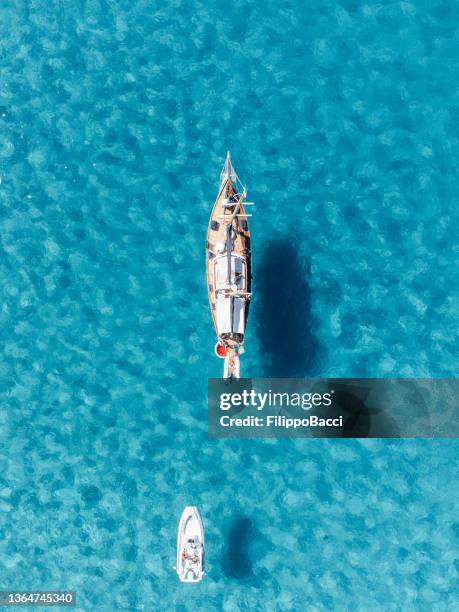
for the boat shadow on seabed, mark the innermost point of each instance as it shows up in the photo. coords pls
(289, 346)
(283, 318)
(236, 562)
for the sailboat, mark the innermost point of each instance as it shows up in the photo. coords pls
(229, 269)
(190, 546)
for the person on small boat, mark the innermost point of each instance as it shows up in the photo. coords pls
(189, 552)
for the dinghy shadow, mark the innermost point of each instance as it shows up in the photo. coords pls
(236, 562)
(284, 321)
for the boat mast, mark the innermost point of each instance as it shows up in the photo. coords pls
(229, 251)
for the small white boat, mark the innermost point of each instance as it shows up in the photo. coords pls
(229, 269)
(190, 546)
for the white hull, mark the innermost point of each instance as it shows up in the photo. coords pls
(229, 267)
(232, 366)
(190, 546)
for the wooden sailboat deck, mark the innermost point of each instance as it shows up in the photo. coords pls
(216, 233)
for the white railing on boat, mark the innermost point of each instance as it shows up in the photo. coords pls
(239, 215)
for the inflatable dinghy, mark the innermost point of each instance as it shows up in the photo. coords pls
(190, 546)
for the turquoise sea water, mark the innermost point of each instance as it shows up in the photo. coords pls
(115, 118)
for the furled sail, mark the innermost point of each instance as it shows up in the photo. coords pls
(228, 171)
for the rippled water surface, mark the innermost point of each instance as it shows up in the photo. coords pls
(115, 118)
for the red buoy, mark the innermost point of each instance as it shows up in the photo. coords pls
(220, 350)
